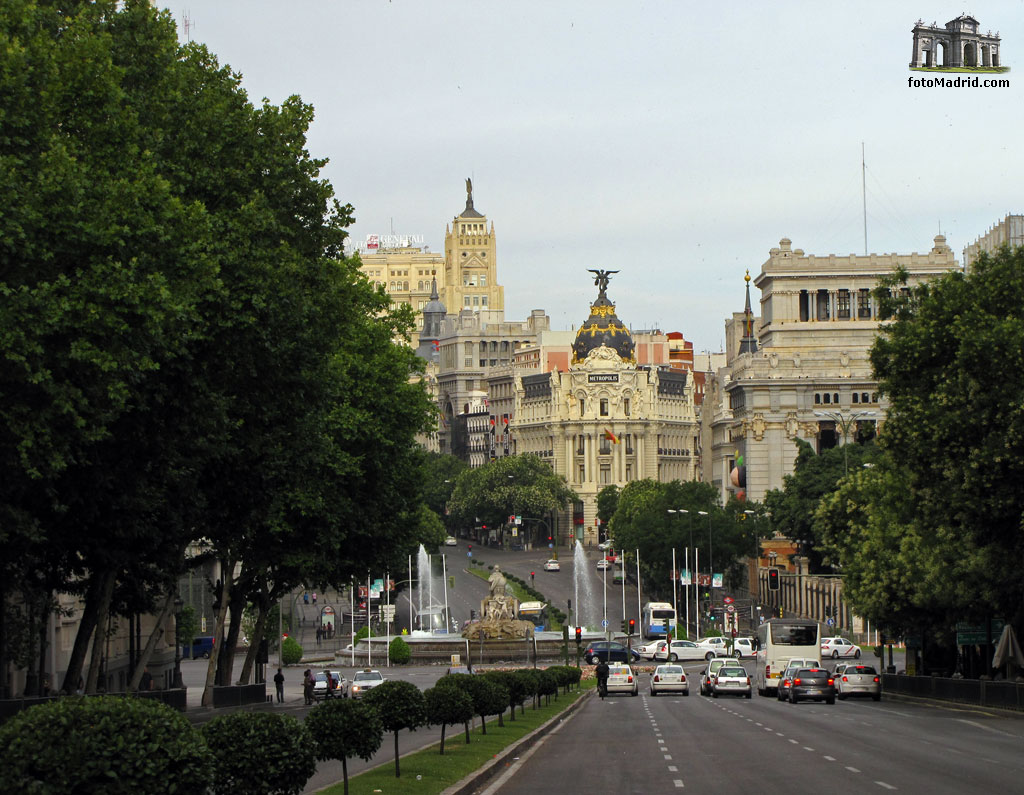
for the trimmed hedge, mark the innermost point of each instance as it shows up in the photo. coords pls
(110, 744)
(259, 752)
(291, 651)
(399, 652)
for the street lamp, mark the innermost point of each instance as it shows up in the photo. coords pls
(711, 561)
(178, 604)
(845, 423)
(694, 578)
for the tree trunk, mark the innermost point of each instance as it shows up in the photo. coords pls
(227, 659)
(466, 724)
(254, 642)
(4, 686)
(483, 725)
(44, 630)
(154, 636)
(100, 635)
(86, 626)
(501, 719)
(398, 773)
(442, 738)
(227, 566)
(344, 771)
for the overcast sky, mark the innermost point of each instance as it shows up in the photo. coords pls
(675, 142)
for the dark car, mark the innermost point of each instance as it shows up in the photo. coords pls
(609, 651)
(814, 684)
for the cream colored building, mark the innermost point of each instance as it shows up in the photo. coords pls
(816, 322)
(1008, 232)
(572, 418)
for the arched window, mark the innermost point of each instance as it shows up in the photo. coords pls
(817, 398)
(828, 398)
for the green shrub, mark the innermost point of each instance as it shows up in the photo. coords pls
(260, 752)
(102, 744)
(447, 706)
(291, 651)
(401, 706)
(343, 728)
(399, 652)
(364, 632)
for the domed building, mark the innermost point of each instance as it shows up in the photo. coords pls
(607, 420)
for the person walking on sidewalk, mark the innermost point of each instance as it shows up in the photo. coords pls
(279, 683)
(307, 686)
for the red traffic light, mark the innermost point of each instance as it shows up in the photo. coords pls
(470, 546)
(531, 573)
(579, 634)
(632, 625)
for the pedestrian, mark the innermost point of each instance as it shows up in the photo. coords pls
(305, 598)
(330, 630)
(307, 686)
(319, 635)
(146, 683)
(279, 683)
(314, 597)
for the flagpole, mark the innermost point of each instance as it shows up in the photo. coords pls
(686, 592)
(696, 601)
(675, 603)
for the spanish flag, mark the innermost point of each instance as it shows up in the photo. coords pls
(611, 437)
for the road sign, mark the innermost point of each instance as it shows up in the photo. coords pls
(830, 621)
(551, 546)
(972, 634)
(604, 623)
(363, 591)
(730, 608)
(728, 600)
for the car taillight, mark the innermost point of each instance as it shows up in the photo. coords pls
(656, 679)
(629, 678)
(796, 681)
(748, 680)
(876, 678)
(832, 681)
(767, 671)
(845, 679)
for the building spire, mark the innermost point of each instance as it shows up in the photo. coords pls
(749, 343)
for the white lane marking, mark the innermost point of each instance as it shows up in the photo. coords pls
(830, 758)
(983, 726)
(759, 723)
(767, 729)
(673, 769)
(668, 757)
(780, 734)
(678, 782)
(883, 784)
(661, 742)
(793, 741)
(808, 748)
(852, 769)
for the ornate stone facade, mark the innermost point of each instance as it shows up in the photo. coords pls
(956, 44)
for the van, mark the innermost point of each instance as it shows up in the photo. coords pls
(202, 647)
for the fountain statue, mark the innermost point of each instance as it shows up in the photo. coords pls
(498, 611)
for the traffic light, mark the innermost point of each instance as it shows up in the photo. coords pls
(632, 626)
(773, 579)
(625, 626)
(579, 634)
(470, 547)
(780, 611)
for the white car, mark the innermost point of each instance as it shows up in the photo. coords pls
(839, 647)
(742, 647)
(681, 650)
(714, 647)
(857, 680)
(604, 546)
(450, 541)
(328, 684)
(621, 679)
(669, 678)
(552, 565)
(363, 681)
(603, 564)
(648, 651)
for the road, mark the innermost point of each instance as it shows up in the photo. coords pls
(701, 744)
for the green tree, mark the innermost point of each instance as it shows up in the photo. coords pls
(343, 728)
(447, 706)
(607, 503)
(282, 745)
(400, 705)
(399, 652)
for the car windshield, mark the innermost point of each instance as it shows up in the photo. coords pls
(860, 669)
(321, 677)
(812, 673)
(723, 672)
(367, 676)
(619, 669)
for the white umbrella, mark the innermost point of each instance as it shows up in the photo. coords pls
(1008, 649)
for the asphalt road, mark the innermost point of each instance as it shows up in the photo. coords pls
(667, 743)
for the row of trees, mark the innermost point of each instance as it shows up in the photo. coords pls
(143, 746)
(928, 527)
(187, 357)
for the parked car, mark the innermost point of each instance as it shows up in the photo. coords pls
(707, 674)
(450, 541)
(787, 679)
(839, 647)
(328, 684)
(202, 647)
(730, 679)
(552, 565)
(742, 647)
(858, 680)
(604, 546)
(812, 683)
(649, 651)
(681, 650)
(669, 679)
(364, 680)
(621, 679)
(609, 651)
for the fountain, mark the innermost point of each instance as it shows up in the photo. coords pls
(431, 596)
(587, 614)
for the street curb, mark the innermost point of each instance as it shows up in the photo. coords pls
(498, 764)
(952, 706)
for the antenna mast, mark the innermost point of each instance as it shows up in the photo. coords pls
(864, 195)
(187, 25)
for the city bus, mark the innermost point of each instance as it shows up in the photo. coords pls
(536, 613)
(658, 620)
(778, 641)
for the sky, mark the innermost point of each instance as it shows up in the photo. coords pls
(675, 142)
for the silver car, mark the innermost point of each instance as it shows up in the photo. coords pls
(621, 679)
(858, 680)
(363, 681)
(731, 680)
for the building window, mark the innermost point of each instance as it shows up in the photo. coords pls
(606, 475)
(835, 398)
(629, 472)
(483, 300)
(625, 406)
(606, 447)
(604, 407)
(483, 277)
(581, 477)
(466, 301)
(583, 406)
(855, 397)
(580, 448)
(823, 313)
(817, 398)
(805, 302)
(468, 362)
(864, 397)
(864, 304)
(828, 398)
(843, 305)
(476, 300)
(629, 443)
(483, 363)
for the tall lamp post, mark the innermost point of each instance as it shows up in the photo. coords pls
(178, 604)
(711, 566)
(686, 592)
(845, 423)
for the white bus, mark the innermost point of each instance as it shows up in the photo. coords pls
(658, 620)
(778, 641)
(536, 613)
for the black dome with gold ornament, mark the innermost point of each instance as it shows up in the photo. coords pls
(603, 327)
